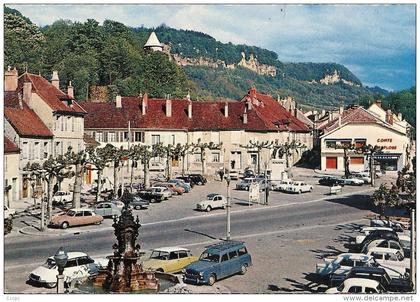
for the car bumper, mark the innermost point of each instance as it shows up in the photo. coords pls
(193, 279)
(35, 279)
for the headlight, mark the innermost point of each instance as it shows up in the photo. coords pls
(201, 274)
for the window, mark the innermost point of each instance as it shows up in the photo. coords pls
(355, 289)
(105, 138)
(359, 263)
(84, 260)
(25, 150)
(69, 122)
(173, 256)
(347, 262)
(87, 213)
(139, 136)
(182, 254)
(38, 154)
(73, 122)
(197, 157)
(216, 157)
(357, 160)
(173, 139)
(155, 139)
(45, 150)
(111, 137)
(68, 146)
(377, 256)
(71, 263)
(99, 136)
(330, 144)
(224, 258)
(233, 254)
(253, 159)
(57, 148)
(126, 136)
(242, 251)
(79, 214)
(31, 151)
(359, 143)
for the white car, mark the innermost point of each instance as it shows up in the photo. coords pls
(367, 230)
(352, 181)
(62, 197)
(8, 212)
(365, 176)
(234, 175)
(166, 193)
(391, 260)
(401, 236)
(298, 187)
(282, 185)
(213, 201)
(79, 266)
(392, 244)
(357, 286)
(343, 263)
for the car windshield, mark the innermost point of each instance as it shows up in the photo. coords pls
(49, 264)
(160, 255)
(209, 257)
(70, 213)
(210, 196)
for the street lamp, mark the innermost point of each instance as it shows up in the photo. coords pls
(60, 258)
(228, 207)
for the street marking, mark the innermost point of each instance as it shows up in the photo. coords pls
(304, 228)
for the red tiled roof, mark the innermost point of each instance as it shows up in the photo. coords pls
(24, 120)
(355, 115)
(267, 116)
(50, 94)
(9, 146)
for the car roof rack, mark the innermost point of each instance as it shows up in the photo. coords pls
(224, 244)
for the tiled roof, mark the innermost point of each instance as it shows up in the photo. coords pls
(9, 146)
(54, 97)
(356, 115)
(269, 116)
(24, 120)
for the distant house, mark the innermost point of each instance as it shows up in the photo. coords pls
(11, 172)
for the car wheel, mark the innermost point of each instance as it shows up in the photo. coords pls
(98, 223)
(152, 200)
(137, 207)
(243, 269)
(65, 225)
(212, 279)
(51, 284)
(200, 183)
(208, 209)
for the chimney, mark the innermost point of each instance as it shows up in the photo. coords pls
(245, 118)
(189, 108)
(323, 112)
(341, 110)
(389, 117)
(168, 107)
(295, 112)
(330, 116)
(20, 100)
(226, 111)
(379, 103)
(400, 117)
(252, 92)
(188, 97)
(339, 120)
(144, 102)
(55, 80)
(27, 93)
(118, 101)
(10, 79)
(70, 90)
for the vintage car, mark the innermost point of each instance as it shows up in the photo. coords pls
(365, 176)
(330, 181)
(367, 230)
(352, 181)
(357, 286)
(248, 174)
(298, 187)
(391, 244)
(155, 194)
(282, 185)
(213, 201)
(244, 184)
(392, 260)
(233, 174)
(169, 259)
(139, 203)
(187, 180)
(181, 183)
(178, 190)
(377, 234)
(76, 217)
(218, 261)
(79, 266)
(342, 264)
(198, 179)
(107, 209)
(62, 197)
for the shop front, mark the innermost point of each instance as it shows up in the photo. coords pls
(389, 161)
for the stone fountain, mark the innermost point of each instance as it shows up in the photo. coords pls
(123, 274)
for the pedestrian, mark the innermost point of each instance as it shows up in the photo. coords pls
(55, 189)
(119, 192)
(221, 173)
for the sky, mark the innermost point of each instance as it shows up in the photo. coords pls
(376, 42)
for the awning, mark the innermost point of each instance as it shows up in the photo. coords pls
(387, 156)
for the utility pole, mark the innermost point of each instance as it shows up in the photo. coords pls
(43, 200)
(413, 250)
(266, 186)
(228, 208)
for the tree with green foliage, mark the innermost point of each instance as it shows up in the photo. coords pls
(202, 147)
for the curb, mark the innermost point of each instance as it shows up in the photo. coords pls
(25, 231)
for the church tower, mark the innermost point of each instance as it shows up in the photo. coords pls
(153, 43)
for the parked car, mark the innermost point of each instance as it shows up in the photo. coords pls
(298, 187)
(244, 184)
(392, 244)
(378, 274)
(365, 176)
(107, 209)
(352, 181)
(169, 259)
(213, 201)
(139, 203)
(155, 194)
(79, 266)
(117, 202)
(62, 197)
(342, 264)
(187, 180)
(76, 217)
(367, 230)
(234, 175)
(378, 234)
(282, 185)
(330, 181)
(218, 261)
(248, 174)
(156, 166)
(395, 225)
(198, 179)
(171, 186)
(8, 212)
(392, 260)
(357, 286)
(264, 184)
(181, 183)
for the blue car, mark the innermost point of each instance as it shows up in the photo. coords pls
(182, 184)
(218, 261)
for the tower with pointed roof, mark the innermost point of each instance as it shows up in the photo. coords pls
(153, 43)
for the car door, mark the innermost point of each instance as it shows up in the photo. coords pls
(183, 259)
(87, 217)
(235, 262)
(70, 269)
(78, 218)
(225, 267)
(87, 266)
(172, 263)
(99, 209)
(107, 209)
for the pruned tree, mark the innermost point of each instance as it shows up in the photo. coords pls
(285, 149)
(370, 151)
(346, 149)
(145, 153)
(202, 147)
(78, 160)
(182, 151)
(258, 147)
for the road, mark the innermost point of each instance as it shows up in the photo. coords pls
(315, 221)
